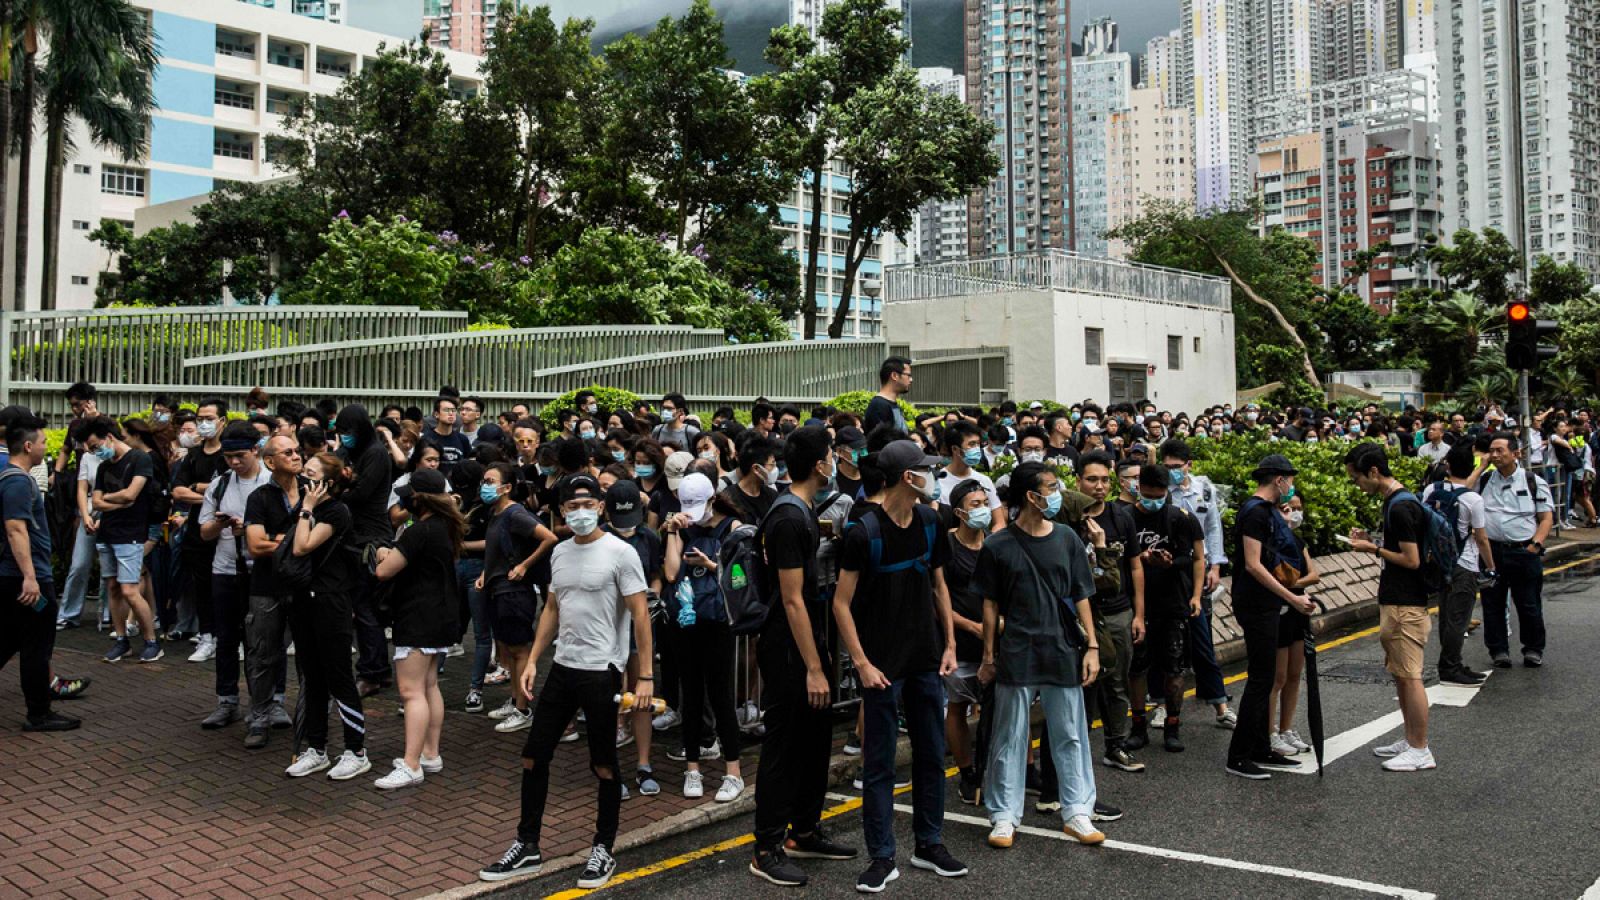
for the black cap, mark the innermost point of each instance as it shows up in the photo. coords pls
(900, 457)
(489, 433)
(1273, 464)
(20, 416)
(624, 504)
(423, 481)
(573, 487)
(850, 436)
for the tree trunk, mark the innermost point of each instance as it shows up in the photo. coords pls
(813, 238)
(5, 128)
(1272, 310)
(24, 172)
(852, 263)
(54, 162)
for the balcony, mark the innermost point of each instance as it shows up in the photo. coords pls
(235, 101)
(333, 69)
(236, 51)
(286, 61)
(281, 103)
(234, 152)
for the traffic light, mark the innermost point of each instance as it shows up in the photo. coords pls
(1523, 334)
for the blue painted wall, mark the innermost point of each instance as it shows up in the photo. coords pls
(165, 186)
(190, 40)
(181, 143)
(185, 91)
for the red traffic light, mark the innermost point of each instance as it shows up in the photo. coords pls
(1519, 312)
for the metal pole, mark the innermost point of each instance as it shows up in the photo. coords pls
(1525, 414)
(5, 357)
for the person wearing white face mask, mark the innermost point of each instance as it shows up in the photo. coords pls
(200, 465)
(1292, 627)
(962, 444)
(597, 590)
(753, 494)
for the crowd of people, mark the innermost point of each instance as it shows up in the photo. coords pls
(935, 569)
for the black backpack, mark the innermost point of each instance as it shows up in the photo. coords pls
(748, 595)
(293, 572)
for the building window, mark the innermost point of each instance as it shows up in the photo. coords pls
(80, 280)
(1197, 346)
(1093, 346)
(1174, 352)
(81, 169)
(80, 225)
(122, 181)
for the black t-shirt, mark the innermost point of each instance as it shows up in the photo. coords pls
(894, 611)
(509, 540)
(478, 517)
(1117, 522)
(197, 467)
(130, 524)
(663, 502)
(850, 487)
(425, 593)
(1254, 521)
(1407, 521)
(269, 507)
(789, 539)
(453, 448)
(1033, 649)
(965, 600)
(1065, 455)
(1167, 588)
(751, 509)
(647, 544)
(881, 411)
(337, 567)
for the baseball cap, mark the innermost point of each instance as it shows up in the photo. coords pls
(850, 436)
(900, 457)
(577, 486)
(677, 464)
(423, 481)
(1274, 464)
(1036, 406)
(21, 416)
(624, 505)
(694, 493)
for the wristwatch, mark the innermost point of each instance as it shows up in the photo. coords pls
(1539, 545)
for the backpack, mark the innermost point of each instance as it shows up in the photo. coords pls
(926, 517)
(1440, 548)
(1446, 501)
(747, 595)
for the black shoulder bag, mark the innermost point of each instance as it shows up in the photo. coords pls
(1071, 628)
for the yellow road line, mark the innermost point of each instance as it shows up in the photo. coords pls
(743, 840)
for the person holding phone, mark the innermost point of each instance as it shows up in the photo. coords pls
(1168, 570)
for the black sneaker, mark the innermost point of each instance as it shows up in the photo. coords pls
(877, 876)
(937, 859)
(817, 845)
(1502, 660)
(602, 865)
(256, 737)
(522, 859)
(225, 714)
(51, 722)
(1533, 659)
(1105, 812)
(969, 788)
(1138, 739)
(1120, 758)
(776, 867)
(1035, 780)
(1170, 740)
(1462, 676)
(1274, 760)
(1246, 769)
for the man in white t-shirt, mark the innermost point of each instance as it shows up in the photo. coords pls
(597, 591)
(1455, 607)
(963, 443)
(1435, 448)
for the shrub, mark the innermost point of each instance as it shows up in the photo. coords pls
(609, 398)
(855, 403)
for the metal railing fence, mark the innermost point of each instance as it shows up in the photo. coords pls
(1058, 270)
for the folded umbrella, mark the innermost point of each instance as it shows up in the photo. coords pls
(1313, 695)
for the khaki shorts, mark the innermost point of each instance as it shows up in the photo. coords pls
(1403, 632)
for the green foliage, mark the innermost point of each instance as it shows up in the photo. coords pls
(609, 398)
(1295, 391)
(379, 263)
(1333, 504)
(855, 403)
(1580, 336)
(1004, 464)
(1351, 334)
(155, 341)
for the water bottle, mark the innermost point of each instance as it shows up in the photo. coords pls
(624, 703)
(685, 603)
(737, 578)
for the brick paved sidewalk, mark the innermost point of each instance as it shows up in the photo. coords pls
(142, 802)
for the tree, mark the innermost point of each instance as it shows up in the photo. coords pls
(1351, 331)
(379, 263)
(7, 35)
(808, 90)
(746, 250)
(1271, 275)
(1454, 329)
(28, 14)
(99, 70)
(543, 78)
(904, 146)
(168, 266)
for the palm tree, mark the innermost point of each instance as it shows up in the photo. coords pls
(1565, 385)
(27, 19)
(5, 124)
(1484, 391)
(99, 71)
(1463, 318)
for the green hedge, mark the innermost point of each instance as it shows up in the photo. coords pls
(609, 398)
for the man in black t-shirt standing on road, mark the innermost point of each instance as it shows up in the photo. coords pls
(793, 775)
(1168, 569)
(893, 615)
(1115, 609)
(123, 495)
(1403, 622)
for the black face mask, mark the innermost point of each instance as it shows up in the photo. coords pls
(786, 428)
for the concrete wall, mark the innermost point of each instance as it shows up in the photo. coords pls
(1046, 333)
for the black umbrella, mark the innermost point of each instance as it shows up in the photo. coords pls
(1313, 694)
(981, 741)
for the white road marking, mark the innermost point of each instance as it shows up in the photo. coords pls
(1593, 893)
(1369, 887)
(1345, 743)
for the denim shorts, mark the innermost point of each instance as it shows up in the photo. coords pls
(126, 561)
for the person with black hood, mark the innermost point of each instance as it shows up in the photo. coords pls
(368, 500)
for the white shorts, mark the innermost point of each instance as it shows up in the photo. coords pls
(403, 652)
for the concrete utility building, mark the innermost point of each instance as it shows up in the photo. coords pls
(1076, 327)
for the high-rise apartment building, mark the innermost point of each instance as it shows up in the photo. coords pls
(1100, 37)
(941, 225)
(1355, 40)
(1161, 68)
(1518, 89)
(1416, 27)
(1218, 39)
(1100, 86)
(465, 25)
(1019, 76)
(1149, 155)
(1286, 45)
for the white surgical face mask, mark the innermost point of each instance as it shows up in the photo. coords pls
(188, 440)
(1296, 518)
(582, 521)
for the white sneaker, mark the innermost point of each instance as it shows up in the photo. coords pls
(1388, 751)
(1227, 719)
(666, 721)
(205, 650)
(517, 721)
(624, 737)
(1415, 759)
(309, 762)
(456, 651)
(1158, 717)
(289, 650)
(431, 765)
(1080, 829)
(350, 765)
(1280, 744)
(1293, 737)
(399, 777)
(507, 709)
(1002, 835)
(693, 787)
(732, 787)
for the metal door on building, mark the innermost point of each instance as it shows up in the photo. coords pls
(1128, 384)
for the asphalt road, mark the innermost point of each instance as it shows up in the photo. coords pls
(1513, 810)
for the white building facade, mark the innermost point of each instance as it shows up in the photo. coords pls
(1149, 156)
(1100, 86)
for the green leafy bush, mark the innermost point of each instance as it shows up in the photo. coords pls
(609, 398)
(855, 403)
(385, 263)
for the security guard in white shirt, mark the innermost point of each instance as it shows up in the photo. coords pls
(1518, 515)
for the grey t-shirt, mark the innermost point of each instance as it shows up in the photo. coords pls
(224, 562)
(589, 582)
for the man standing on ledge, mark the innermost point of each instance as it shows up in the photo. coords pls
(884, 409)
